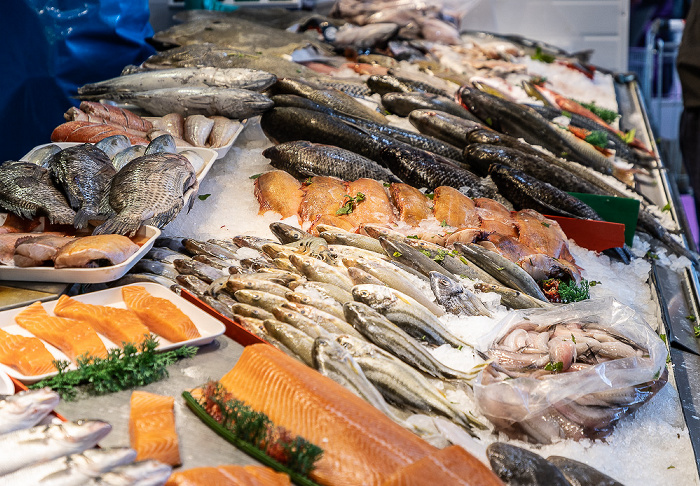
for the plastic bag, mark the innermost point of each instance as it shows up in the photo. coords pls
(547, 402)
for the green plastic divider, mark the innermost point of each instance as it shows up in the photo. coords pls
(614, 209)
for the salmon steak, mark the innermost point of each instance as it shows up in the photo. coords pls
(26, 355)
(229, 475)
(152, 432)
(120, 326)
(159, 315)
(360, 444)
(73, 338)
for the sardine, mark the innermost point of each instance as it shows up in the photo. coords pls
(404, 103)
(299, 342)
(518, 466)
(143, 473)
(111, 146)
(162, 144)
(23, 448)
(26, 409)
(43, 155)
(455, 298)
(127, 155)
(449, 128)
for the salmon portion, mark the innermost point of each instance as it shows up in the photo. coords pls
(361, 445)
(509, 247)
(323, 196)
(278, 191)
(451, 465)
(73, 338)
(159, 315)
(119, 325)
(229, 475)
(495, 217)
(89, 251)
(332, 220)
(152, 430)
(376, 206)
(26, 355)
(454, 208)
(543, 235)
(413, 205)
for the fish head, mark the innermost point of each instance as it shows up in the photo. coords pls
(356, 347)
(82, 431)
(287, 233)
(98, 461)
(376, 296)
(442, 285)
(30, 402)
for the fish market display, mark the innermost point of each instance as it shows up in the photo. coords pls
(152, 428)
(160, 315)
(205, 476)
(26, 409)
(26, 355)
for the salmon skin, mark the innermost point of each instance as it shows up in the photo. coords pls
(229, 475)
(361, 445)
(73, 338)
(278, 191)
(26, 355)
(159, 315)
(152, 428)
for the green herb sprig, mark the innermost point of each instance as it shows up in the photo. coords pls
(540, 55)
(128, 367)
(598, 138)
(350, 204)
(608, 116)
(570, 292)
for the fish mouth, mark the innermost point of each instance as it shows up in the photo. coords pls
(89, 431)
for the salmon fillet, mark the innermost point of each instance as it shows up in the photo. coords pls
(26, 355)
(375, 208)
(119, 325)
(542, 234)
(229, 475)
(152, 430)
(451, 465)
(89, 251)
(323, 196)
(159, 315)
(278, 191)
(73, 338)
(361, 445)
(454, 208)
(413, 205)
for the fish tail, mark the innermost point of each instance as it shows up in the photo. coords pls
(119, 225)
(82, 216)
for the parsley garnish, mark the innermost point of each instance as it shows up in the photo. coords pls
(570, 292)
(203, 197)
(254, 176)
(539, 55)
(397, 254)
(597, 138)
(546, 225)
(554, 367)
(608, 116)
(667, 207)
(350, 204)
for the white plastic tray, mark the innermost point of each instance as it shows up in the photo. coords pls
(208, 326)
(80, 275)
(209, 155)
(221, 151)
(7, 387)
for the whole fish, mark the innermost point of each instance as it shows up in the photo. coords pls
(165, 254)
(154, 266)
(299, 342)
(328, 305)
(384, 83)
(149, 190)
(252, 242)
(305, 159)
(502, 269)
(404, 103)
(131, 278)
(162, 144)
(72, 470)
(142, 473)
(287, 233)
(228, 244)
(198, 269)
(444, 126)
(26, 190)
(23, 448)
(454, 297)
(267, 301)
(26, 409)
(197, 247)
(84, 172)
(218, 306)
(193, 283)
(412, 257)
(331, 323)
(401, 384)
(217, 263)
(127, 155)
(405, 312)
(43, 155)
(360, 277)
(356, 90)
(581, 474)
(364, 37)
(511, 298)
(229, 102)
(111, 146)
(326, 289)
(234, 284)
(302, 323)
(319, 271)
(382, 332)
(519, 467)
(341, 237)
(174, 78)
(246, 310)
(345, 251)
(421, 82)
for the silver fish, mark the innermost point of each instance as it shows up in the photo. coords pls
(304, 324)
(45, 442)
(150, 190)
(111, 146)
(329, 322)
(319, 271)
(127, 155)
(193, 284)
(26, 409)
(201, 270)
(42, 155)
(299, 342)
(360, 277)
(161, 144)
(71, 470)
(235, 283)
(208, 248)
(246, 310)
(165, 254)
(143, 473)
(339, 237)
(153, 266)
(329, 290)
(326, 305)
(254, 242)
(267, 301)
(455, 298)
(511, 298)
(130, 278)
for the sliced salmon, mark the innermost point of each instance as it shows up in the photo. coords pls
(322, 196)
(26, 355)
(159, 315)
(361, 445)
(229, 475)
(454, 208)
(375, 207)
(119, 325)
(73, 338)
(278, 191)
(451, 465)
(152, 428)
(413, 205)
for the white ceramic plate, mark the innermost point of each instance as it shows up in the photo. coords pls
(208, 326)
(80, 275)
(7, 387)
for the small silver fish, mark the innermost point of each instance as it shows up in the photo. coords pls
(143, 473)
(26, 409)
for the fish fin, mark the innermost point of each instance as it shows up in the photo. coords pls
(119, 225)
(82, 216)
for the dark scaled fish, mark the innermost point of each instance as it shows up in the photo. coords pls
(581, 474)
(404, 103)
(526, 192)
(355, 90)
(384, 84)
(84, 172)
(455, 298)
(452, 129)
(26, 190)
(519, 467)
(305, 159)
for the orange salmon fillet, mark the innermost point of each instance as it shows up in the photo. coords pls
(119, 325)
(412, 204)
(229, 475)
(361, 445)
(278, 191)
(152, 428)
(27, 355)
(73, 338)
(451, 465)
(159, 315)
(454, 208)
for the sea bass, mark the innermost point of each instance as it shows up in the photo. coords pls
(26, 409)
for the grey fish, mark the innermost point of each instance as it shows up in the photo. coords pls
(127, 155)
(157, 267)
(336, 236)
(218, 306)
(162, 144)
(257, 327)
(165, 254)
(519, 467)
(198, 269)
(412, 257)
(130, 278)
(385, 83)
(231, 103)
(26, 190)
(215, 262)
(319, 271)
(444, 126)
(455, 298)
(303, 323)
(193, 283)
(246, 310)
(329, 322)
(26, 409)
(234, 284)
(408, 314)
(228, 244)
(382, 332)
(111, 146)
(72, 470)
(178, 77)
(501, 269)
(264, 300)
(364, 37)
(581, 474)
(511, 298)
(150, 190)
(360, 277)
(329, 305)
(43, 155)
(287, 233)
(253, 242)
(299, 342)
(305, 159)
(197, 247)
(404, 103)
(142, 473)
(46, 442)
(330, 290)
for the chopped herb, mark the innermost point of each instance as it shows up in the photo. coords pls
(608, 116)
(546, 225)
(573, 338)
(539, 55)
(254, 176)
(667, 207)
(460, 347)
(691, 318)
(597, 138)
(538, 80)
(696, 331)
(628, 137)
(489, 121)
(564, 154)
(440, 256)
(566, 114)
(426, 253)
(652, 255)
(554, 367)
(308, 181)
(386, 184)
(571, 292)
(656, 375)
(397, 254)
(444, 223)
(430, 195)
(203, 197)
(413, 237)
(298, 71)
(593, 283)
(464, 260)
(663, 338)
(671, 467)
(350, 204)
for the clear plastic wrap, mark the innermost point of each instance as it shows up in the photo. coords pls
(546, 400)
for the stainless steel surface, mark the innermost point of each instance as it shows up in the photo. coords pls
(17, 294)
(199, 445)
